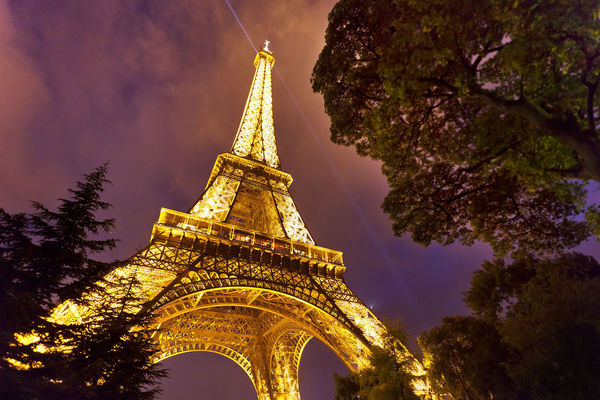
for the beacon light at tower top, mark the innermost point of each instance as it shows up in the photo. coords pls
(240, 275)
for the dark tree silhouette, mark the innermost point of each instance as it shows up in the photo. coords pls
(534, 333)
(46, 260)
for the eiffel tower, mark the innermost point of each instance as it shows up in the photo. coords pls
(239, 274)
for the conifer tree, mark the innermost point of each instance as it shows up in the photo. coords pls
(46, 259)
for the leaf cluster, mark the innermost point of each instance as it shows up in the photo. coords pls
(533, 333)
(483, 113)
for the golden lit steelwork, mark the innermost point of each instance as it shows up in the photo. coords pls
(256, 135)
(240, 275)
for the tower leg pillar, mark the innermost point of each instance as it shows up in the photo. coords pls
(262, 379)
(285, 362)
(284, 377)
(282, 381)
(275, 364)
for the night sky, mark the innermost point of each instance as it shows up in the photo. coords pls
(157, 88)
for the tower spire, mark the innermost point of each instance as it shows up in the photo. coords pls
(255, 137)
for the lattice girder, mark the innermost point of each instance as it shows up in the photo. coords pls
(266, 345)
(219, 196)
(349, 346)
(285, 363)
(342, 340)
(256, 135)
(292, 221)
(232, 270)
(230, 174)
(230, 331)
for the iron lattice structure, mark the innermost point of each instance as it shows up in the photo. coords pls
(240, 275)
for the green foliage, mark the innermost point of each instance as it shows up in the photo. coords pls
(46, 259)
(347, 387)
(483, 113)
(386, 379)
(465, 357)
(534, 333)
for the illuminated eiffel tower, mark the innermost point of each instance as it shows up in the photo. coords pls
(240, 275)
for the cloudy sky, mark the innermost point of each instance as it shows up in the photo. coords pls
(157, 89)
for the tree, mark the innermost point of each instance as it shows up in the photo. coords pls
(484, 114)
(386, 379)
(534, 333)
(46, 260)
(465, 357)
(110, 359)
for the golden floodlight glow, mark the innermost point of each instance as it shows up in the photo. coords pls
(240, 275)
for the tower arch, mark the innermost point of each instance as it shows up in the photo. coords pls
(269, 312)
